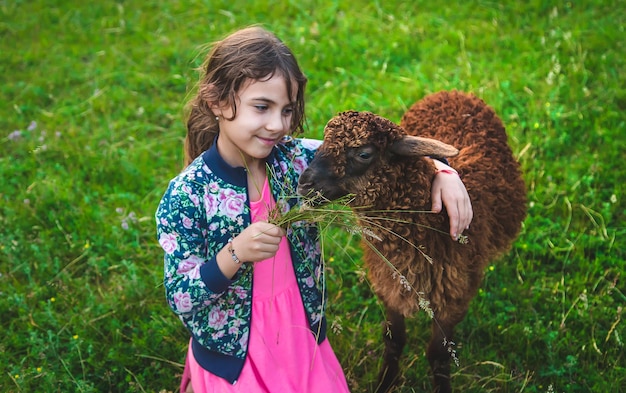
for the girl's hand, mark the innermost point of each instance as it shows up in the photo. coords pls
(257, 242)
(448, 188)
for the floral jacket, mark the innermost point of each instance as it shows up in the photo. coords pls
(201, 209)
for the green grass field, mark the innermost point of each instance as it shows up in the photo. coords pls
(91, 131)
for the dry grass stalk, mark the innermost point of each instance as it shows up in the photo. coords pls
(339, 213)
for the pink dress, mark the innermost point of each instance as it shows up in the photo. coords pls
(283, 355)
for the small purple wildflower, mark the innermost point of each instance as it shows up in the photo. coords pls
(15, 135)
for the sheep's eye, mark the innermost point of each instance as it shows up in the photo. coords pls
(359, 159)
(365, 155)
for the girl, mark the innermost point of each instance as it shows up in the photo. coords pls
(212, 225)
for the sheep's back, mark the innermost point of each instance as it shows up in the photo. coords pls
(498, 194)
(485, 162)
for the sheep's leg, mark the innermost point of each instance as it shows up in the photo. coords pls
(394, 337)
(440, 353)
(439, 358)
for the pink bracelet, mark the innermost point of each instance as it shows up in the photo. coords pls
(447, 171)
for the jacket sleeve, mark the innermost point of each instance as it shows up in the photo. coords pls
(192, 280)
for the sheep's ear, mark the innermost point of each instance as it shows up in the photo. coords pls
(419, 146)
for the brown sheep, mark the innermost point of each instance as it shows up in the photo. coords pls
(388, 168)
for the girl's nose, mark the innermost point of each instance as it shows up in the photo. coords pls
(277, 122)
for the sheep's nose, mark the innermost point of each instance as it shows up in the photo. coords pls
(305, 183)
(304, 188)
(305, 177)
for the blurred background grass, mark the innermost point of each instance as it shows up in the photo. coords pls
(91, 131)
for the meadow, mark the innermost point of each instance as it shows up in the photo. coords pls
(91, 131)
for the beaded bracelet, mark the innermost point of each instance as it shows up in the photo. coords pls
(232, 252)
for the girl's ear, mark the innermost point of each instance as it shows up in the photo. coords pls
(207, 94)
(216, 109)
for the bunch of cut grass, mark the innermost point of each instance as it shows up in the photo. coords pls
(317, 209)
(338, 213)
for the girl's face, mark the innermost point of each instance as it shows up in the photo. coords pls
(263, 118)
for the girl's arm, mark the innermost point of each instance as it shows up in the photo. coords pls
(448, 189)
(199, 267)
(192, 278)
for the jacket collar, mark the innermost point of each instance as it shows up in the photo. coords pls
(237, 176)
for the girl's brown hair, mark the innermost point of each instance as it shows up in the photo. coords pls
(252, 53)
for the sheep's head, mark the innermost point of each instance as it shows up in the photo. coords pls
(358, 154)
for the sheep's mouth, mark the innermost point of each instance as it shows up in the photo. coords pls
(314, 195)
(319, 186)
(303, 191)
(311, 196)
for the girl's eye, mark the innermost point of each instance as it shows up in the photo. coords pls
(287, 111)
(261, 107)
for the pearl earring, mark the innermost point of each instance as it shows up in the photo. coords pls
(217, 118)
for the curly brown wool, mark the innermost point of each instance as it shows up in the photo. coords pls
(389, 167)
